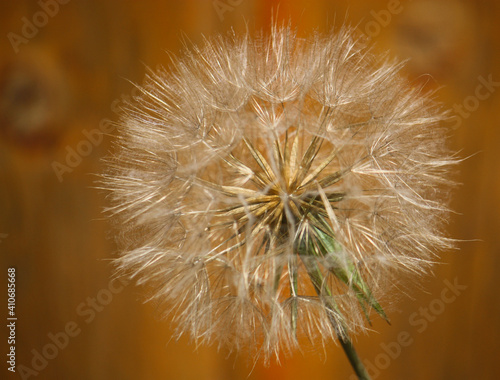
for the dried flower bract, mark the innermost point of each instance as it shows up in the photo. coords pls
(274, 188)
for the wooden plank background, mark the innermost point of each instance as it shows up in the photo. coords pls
(62, 78)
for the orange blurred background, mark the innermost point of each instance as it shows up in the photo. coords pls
(64, 66)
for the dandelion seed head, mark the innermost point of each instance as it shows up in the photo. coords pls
(275, 188)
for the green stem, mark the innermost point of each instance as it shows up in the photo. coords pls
(318, 246)
(346, 343)
(353, 357)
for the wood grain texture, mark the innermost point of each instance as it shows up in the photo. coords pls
(64, 82)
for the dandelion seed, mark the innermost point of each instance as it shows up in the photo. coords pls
(276, 188)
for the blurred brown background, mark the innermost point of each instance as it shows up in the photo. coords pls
(64, 67)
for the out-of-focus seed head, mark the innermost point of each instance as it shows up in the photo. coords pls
(274, 188)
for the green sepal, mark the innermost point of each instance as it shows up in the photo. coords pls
(345, 271)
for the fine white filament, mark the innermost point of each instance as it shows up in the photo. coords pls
(275, 188)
